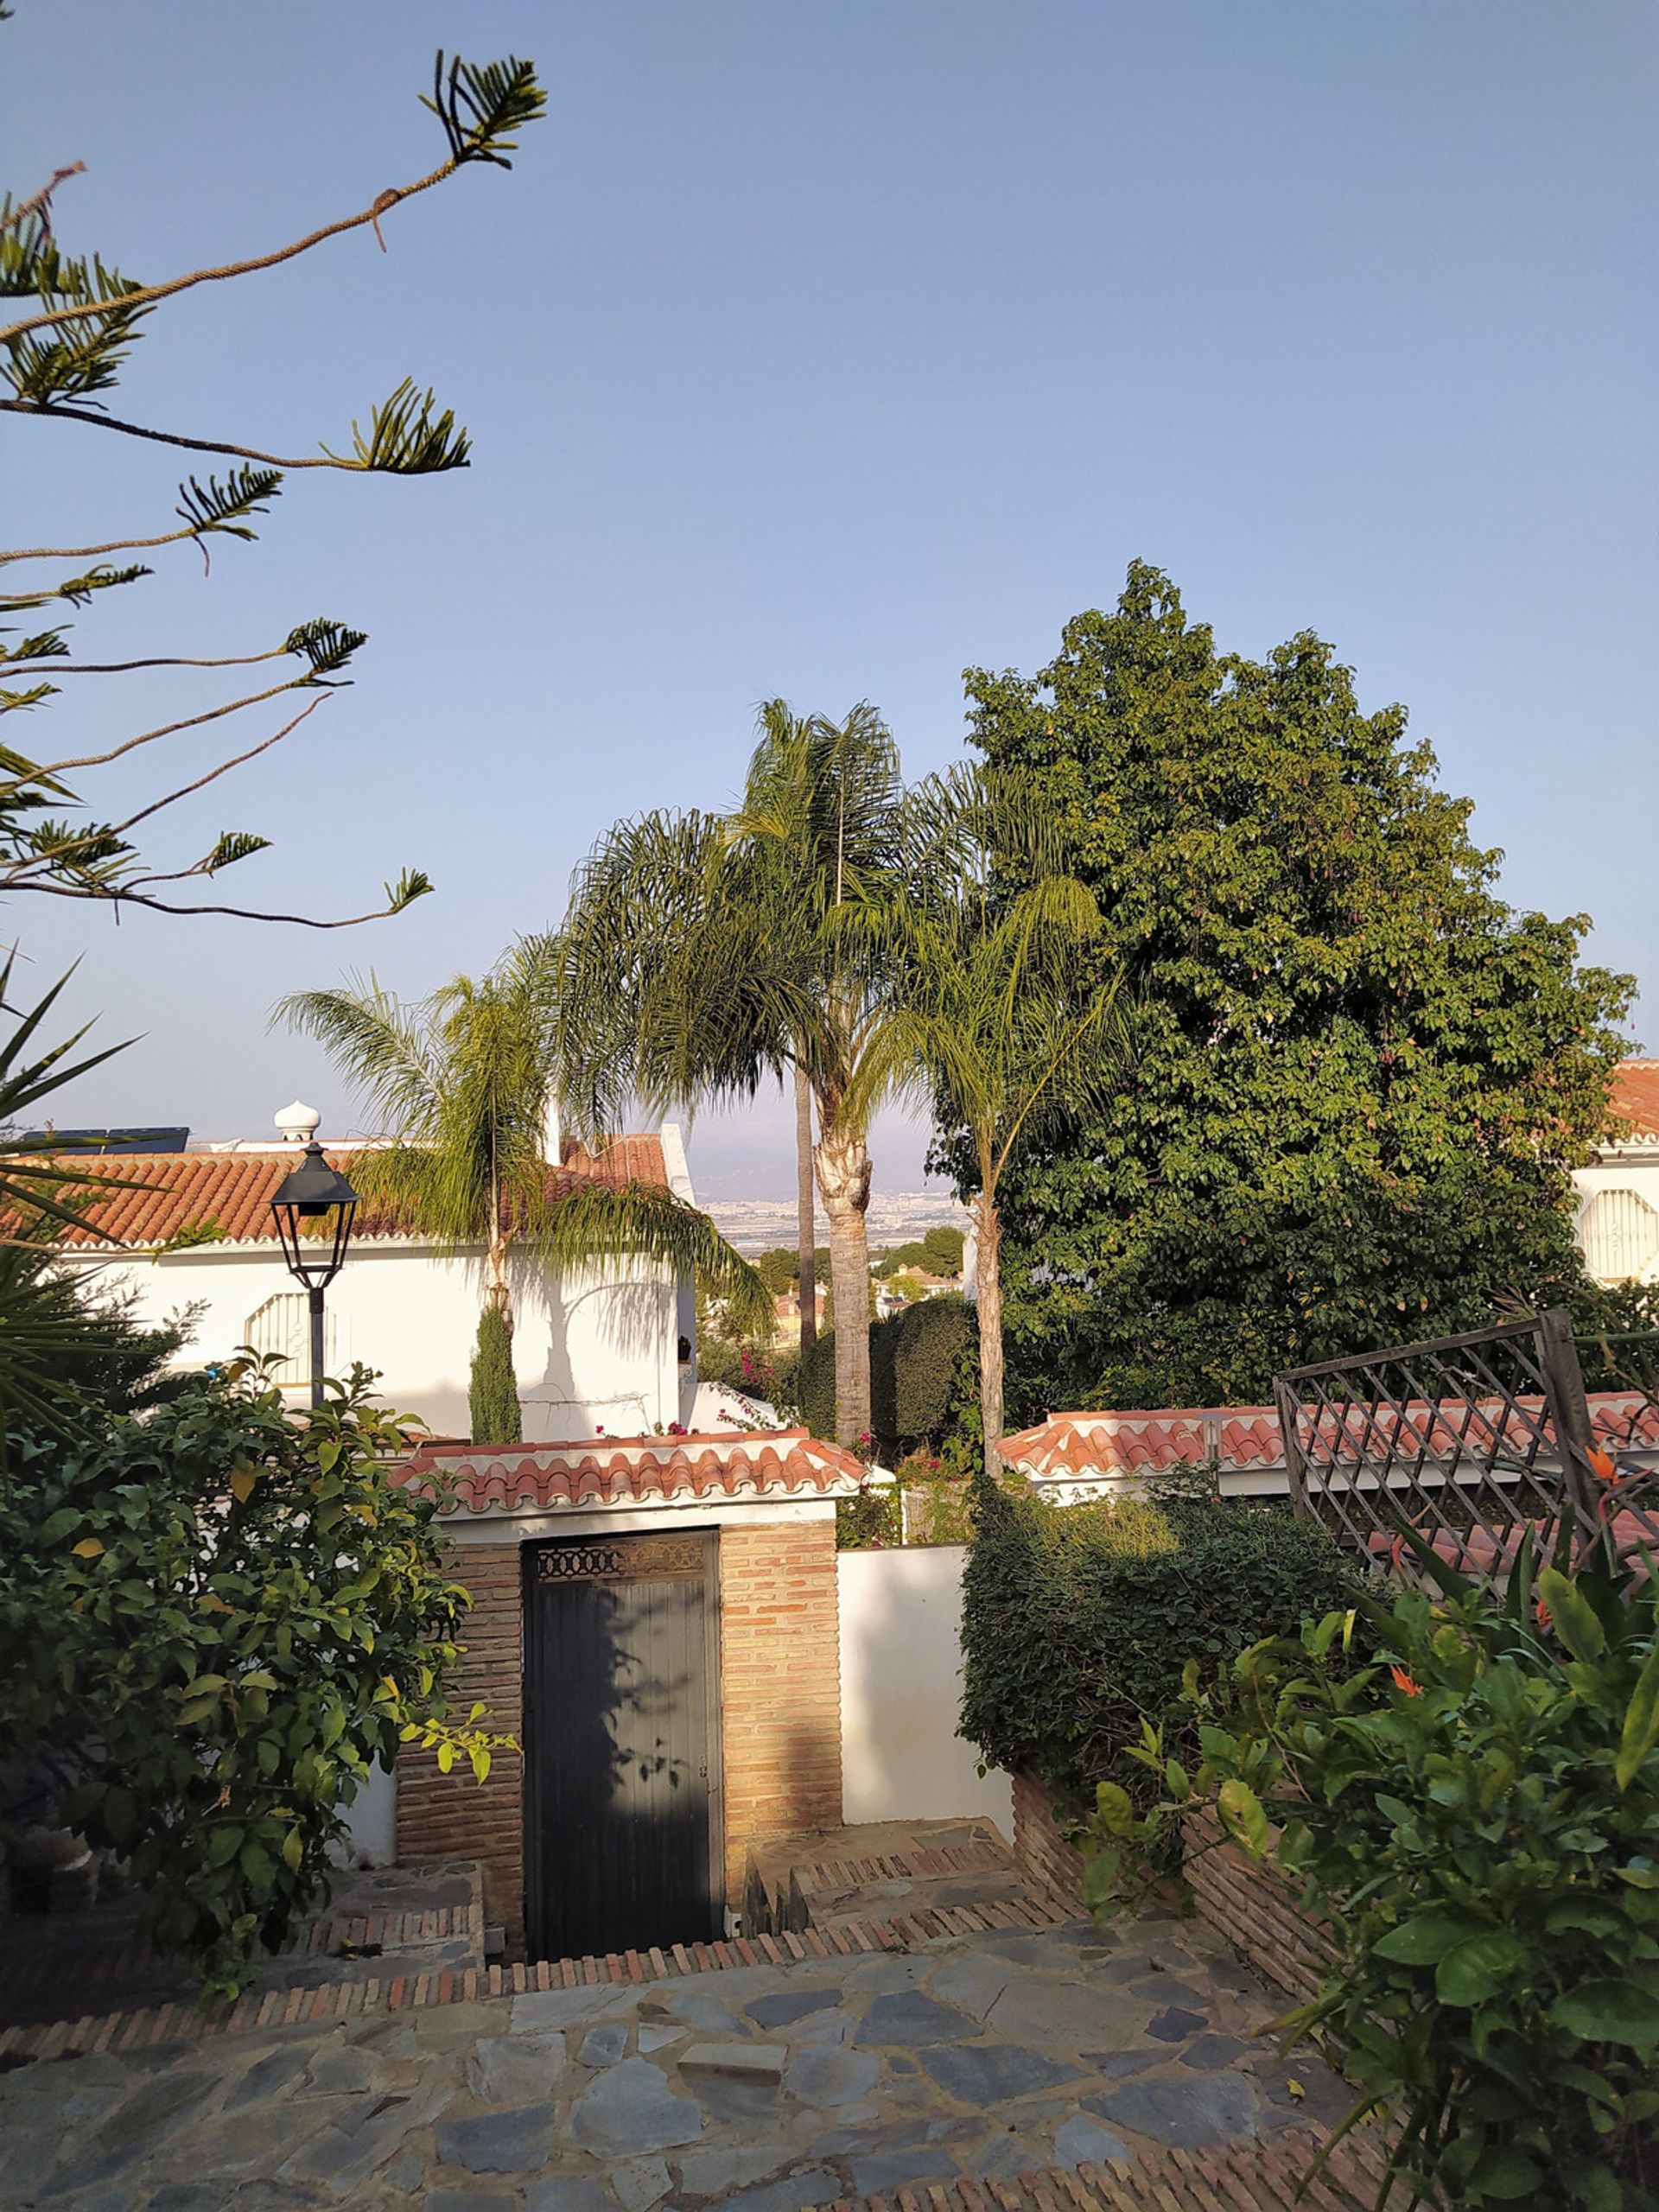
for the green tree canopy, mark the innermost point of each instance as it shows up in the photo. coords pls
(1362, 1078)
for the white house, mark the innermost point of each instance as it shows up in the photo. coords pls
(608, 1352)
(1619, 1200)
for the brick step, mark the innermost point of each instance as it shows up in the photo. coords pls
(1222, 2179)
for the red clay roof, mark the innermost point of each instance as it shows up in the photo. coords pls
(232, 1189)
(617, 1470)
(1240, 1437)
(1635, 1096)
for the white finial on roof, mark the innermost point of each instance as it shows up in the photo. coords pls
(298, 1124)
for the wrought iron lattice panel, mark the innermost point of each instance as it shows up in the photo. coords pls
(1471, 1441)
(637, 1559)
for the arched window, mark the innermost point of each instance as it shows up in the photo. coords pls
(282, 1324)
(1618, 1234)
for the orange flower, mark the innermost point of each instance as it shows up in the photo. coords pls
(1402, 1682)
(1540, 1612)
(1601, 1464)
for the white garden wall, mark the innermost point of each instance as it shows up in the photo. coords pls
(901, 1757)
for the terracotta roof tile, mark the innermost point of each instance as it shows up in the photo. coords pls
(613, 1471)
(1241, 1437)
(232, 1189)
(1635, 1096)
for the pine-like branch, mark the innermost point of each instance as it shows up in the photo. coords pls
(523, 101)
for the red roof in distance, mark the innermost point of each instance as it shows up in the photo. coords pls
(232, 1191)
(1635, 1096)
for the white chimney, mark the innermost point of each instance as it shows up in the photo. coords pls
(298, 1122)
(552, 1131)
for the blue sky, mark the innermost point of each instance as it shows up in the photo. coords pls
(821, 350)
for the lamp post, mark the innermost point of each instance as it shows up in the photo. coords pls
(312, 1192)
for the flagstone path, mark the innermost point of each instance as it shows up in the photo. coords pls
(767, 2088)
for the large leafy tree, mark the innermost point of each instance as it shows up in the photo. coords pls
(61, 358)
(461, 1082)
(705, 954)
(1362, 1078)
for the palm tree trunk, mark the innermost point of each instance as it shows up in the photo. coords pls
(806, 1225)
(988, 1241)
(843, 1161)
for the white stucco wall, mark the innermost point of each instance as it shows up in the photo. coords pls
(901, 1691)
(591, 1352)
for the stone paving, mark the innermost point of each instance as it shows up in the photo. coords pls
(767, 2088)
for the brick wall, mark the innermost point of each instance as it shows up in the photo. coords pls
(1255, 1908)
(450, 1815)
(779, 1683)
(1041, 1852)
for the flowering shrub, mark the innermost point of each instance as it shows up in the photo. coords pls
(1477, 1817)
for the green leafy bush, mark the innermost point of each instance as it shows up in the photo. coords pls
(915, 1359)
(228, 1612)
(1077, 1620)
(1477, 1817)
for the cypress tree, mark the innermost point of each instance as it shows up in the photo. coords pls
(493, 1396)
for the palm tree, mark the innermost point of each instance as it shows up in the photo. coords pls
(987, 1020)
(703, 953)
(461, 1082)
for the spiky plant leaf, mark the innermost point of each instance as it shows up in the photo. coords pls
(79, 590)
(45, 644)
(327, 644)
(414, 883)
(407, 437)
(234, 845)
(213, 506)
(480, 104)
(10, 701)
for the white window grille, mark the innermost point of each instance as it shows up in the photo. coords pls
(282, 1326)
(1619, 1233)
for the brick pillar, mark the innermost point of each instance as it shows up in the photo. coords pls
(779, 1683)
(449, 1815)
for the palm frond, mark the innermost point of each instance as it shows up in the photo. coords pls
(599, 1223)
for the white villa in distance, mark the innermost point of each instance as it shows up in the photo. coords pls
(1619, 1191)
(609, 1351)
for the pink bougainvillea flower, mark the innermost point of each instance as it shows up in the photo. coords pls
(1403, 1682)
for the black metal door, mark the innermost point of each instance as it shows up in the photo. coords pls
(621, 1781)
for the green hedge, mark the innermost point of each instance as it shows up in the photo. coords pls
(914, 1358)
(1078, 1619)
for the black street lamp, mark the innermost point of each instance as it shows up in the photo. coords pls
(311, 1192)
